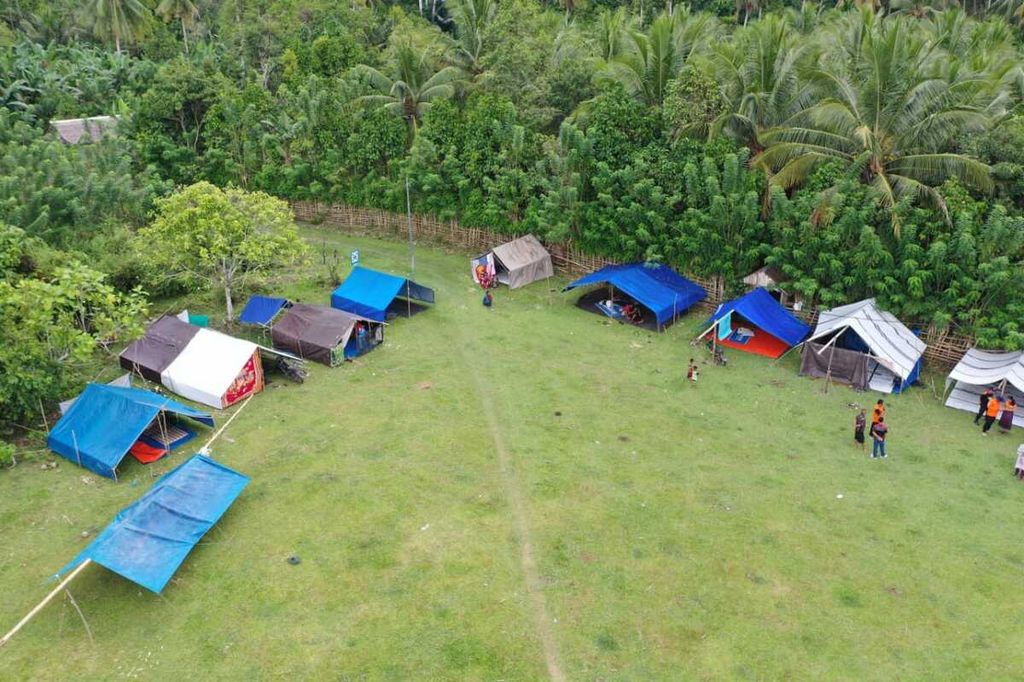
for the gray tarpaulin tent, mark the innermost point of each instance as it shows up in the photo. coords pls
(891, 352)
(522, 261)
(1002, 371)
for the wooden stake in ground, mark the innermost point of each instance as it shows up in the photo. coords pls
(39, 607)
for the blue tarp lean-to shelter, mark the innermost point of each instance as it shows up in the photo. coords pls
(261, 310)
(148, 540)
(767, 317)
(104, 421)
(659, 288)
(368, 293)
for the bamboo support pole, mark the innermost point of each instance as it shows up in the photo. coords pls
(46, 600)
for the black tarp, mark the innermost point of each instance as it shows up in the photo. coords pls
(314, 332)
(162, 343)
(840, 364)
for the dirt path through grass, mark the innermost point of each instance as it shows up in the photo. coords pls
(513, 492)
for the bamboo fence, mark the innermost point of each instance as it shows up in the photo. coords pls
(944, 347)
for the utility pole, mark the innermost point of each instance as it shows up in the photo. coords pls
(412, 240)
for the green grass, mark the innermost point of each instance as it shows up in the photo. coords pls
(678, 532)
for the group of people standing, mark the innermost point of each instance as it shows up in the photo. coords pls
(879, 430)
(992, 407)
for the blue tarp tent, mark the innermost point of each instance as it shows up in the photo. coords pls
(261, 310)
(104, 422)
(658, 288)
(148, 540)
(770, 329)
(368, 293)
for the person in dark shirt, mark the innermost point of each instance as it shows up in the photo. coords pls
(879, 431)
(859, 422)
(488, 299)
(983, 404)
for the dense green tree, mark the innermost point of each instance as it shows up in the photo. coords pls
(51, 325)
(223, 237)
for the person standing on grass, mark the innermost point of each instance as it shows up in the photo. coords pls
(991, 412)
(692, 372)
(1006, 418)
(878, 433)
(983, 404)
(878, 413)
(859, 422)
(488, 299)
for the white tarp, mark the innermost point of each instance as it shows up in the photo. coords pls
(981, 369)
(892, 345)
(207, 367)
(985, 367)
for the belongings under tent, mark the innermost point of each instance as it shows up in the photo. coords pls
(106, 422)
(864, 346)
(1001, 371)
(203, 365)
(516, 263)
(653, 296)
(756, 323)
(324, 334)
(261, 310)
(148, 540)
(379, 296)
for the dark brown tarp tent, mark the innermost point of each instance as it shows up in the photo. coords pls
(521, 262)
(321, 333)
(154, 352)
(839, 364)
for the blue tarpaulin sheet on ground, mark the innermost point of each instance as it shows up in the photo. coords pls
(368, 293)
(104, 421)
(261, 309)
(148, 540)
(658, 288)
(760, 309)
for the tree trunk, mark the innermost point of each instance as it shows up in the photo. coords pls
(117, 44)
(184, 34)
(227, 302)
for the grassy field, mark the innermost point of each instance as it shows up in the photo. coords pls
(531, 492)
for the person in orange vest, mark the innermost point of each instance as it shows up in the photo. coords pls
(878, 413)
(991, 412)
(1006, 418)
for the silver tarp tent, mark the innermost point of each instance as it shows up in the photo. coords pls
(894, 350)
(1002, 371)
(522, 261)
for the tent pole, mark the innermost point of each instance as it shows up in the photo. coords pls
(78, 455)
(39, 607)
(828, 370)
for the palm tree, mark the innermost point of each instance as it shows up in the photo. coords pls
(613, 27)
(412, 87)
(890, 107)
(650, 60)
(184, 11)
(472, 17)
(119, 20)
(758, 72)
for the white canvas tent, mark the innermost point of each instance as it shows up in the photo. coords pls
(520, 262)
(1002, 371)
(893, 353)
(208, 367)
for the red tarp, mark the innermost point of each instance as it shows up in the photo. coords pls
(761, 343)
(146, 453)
